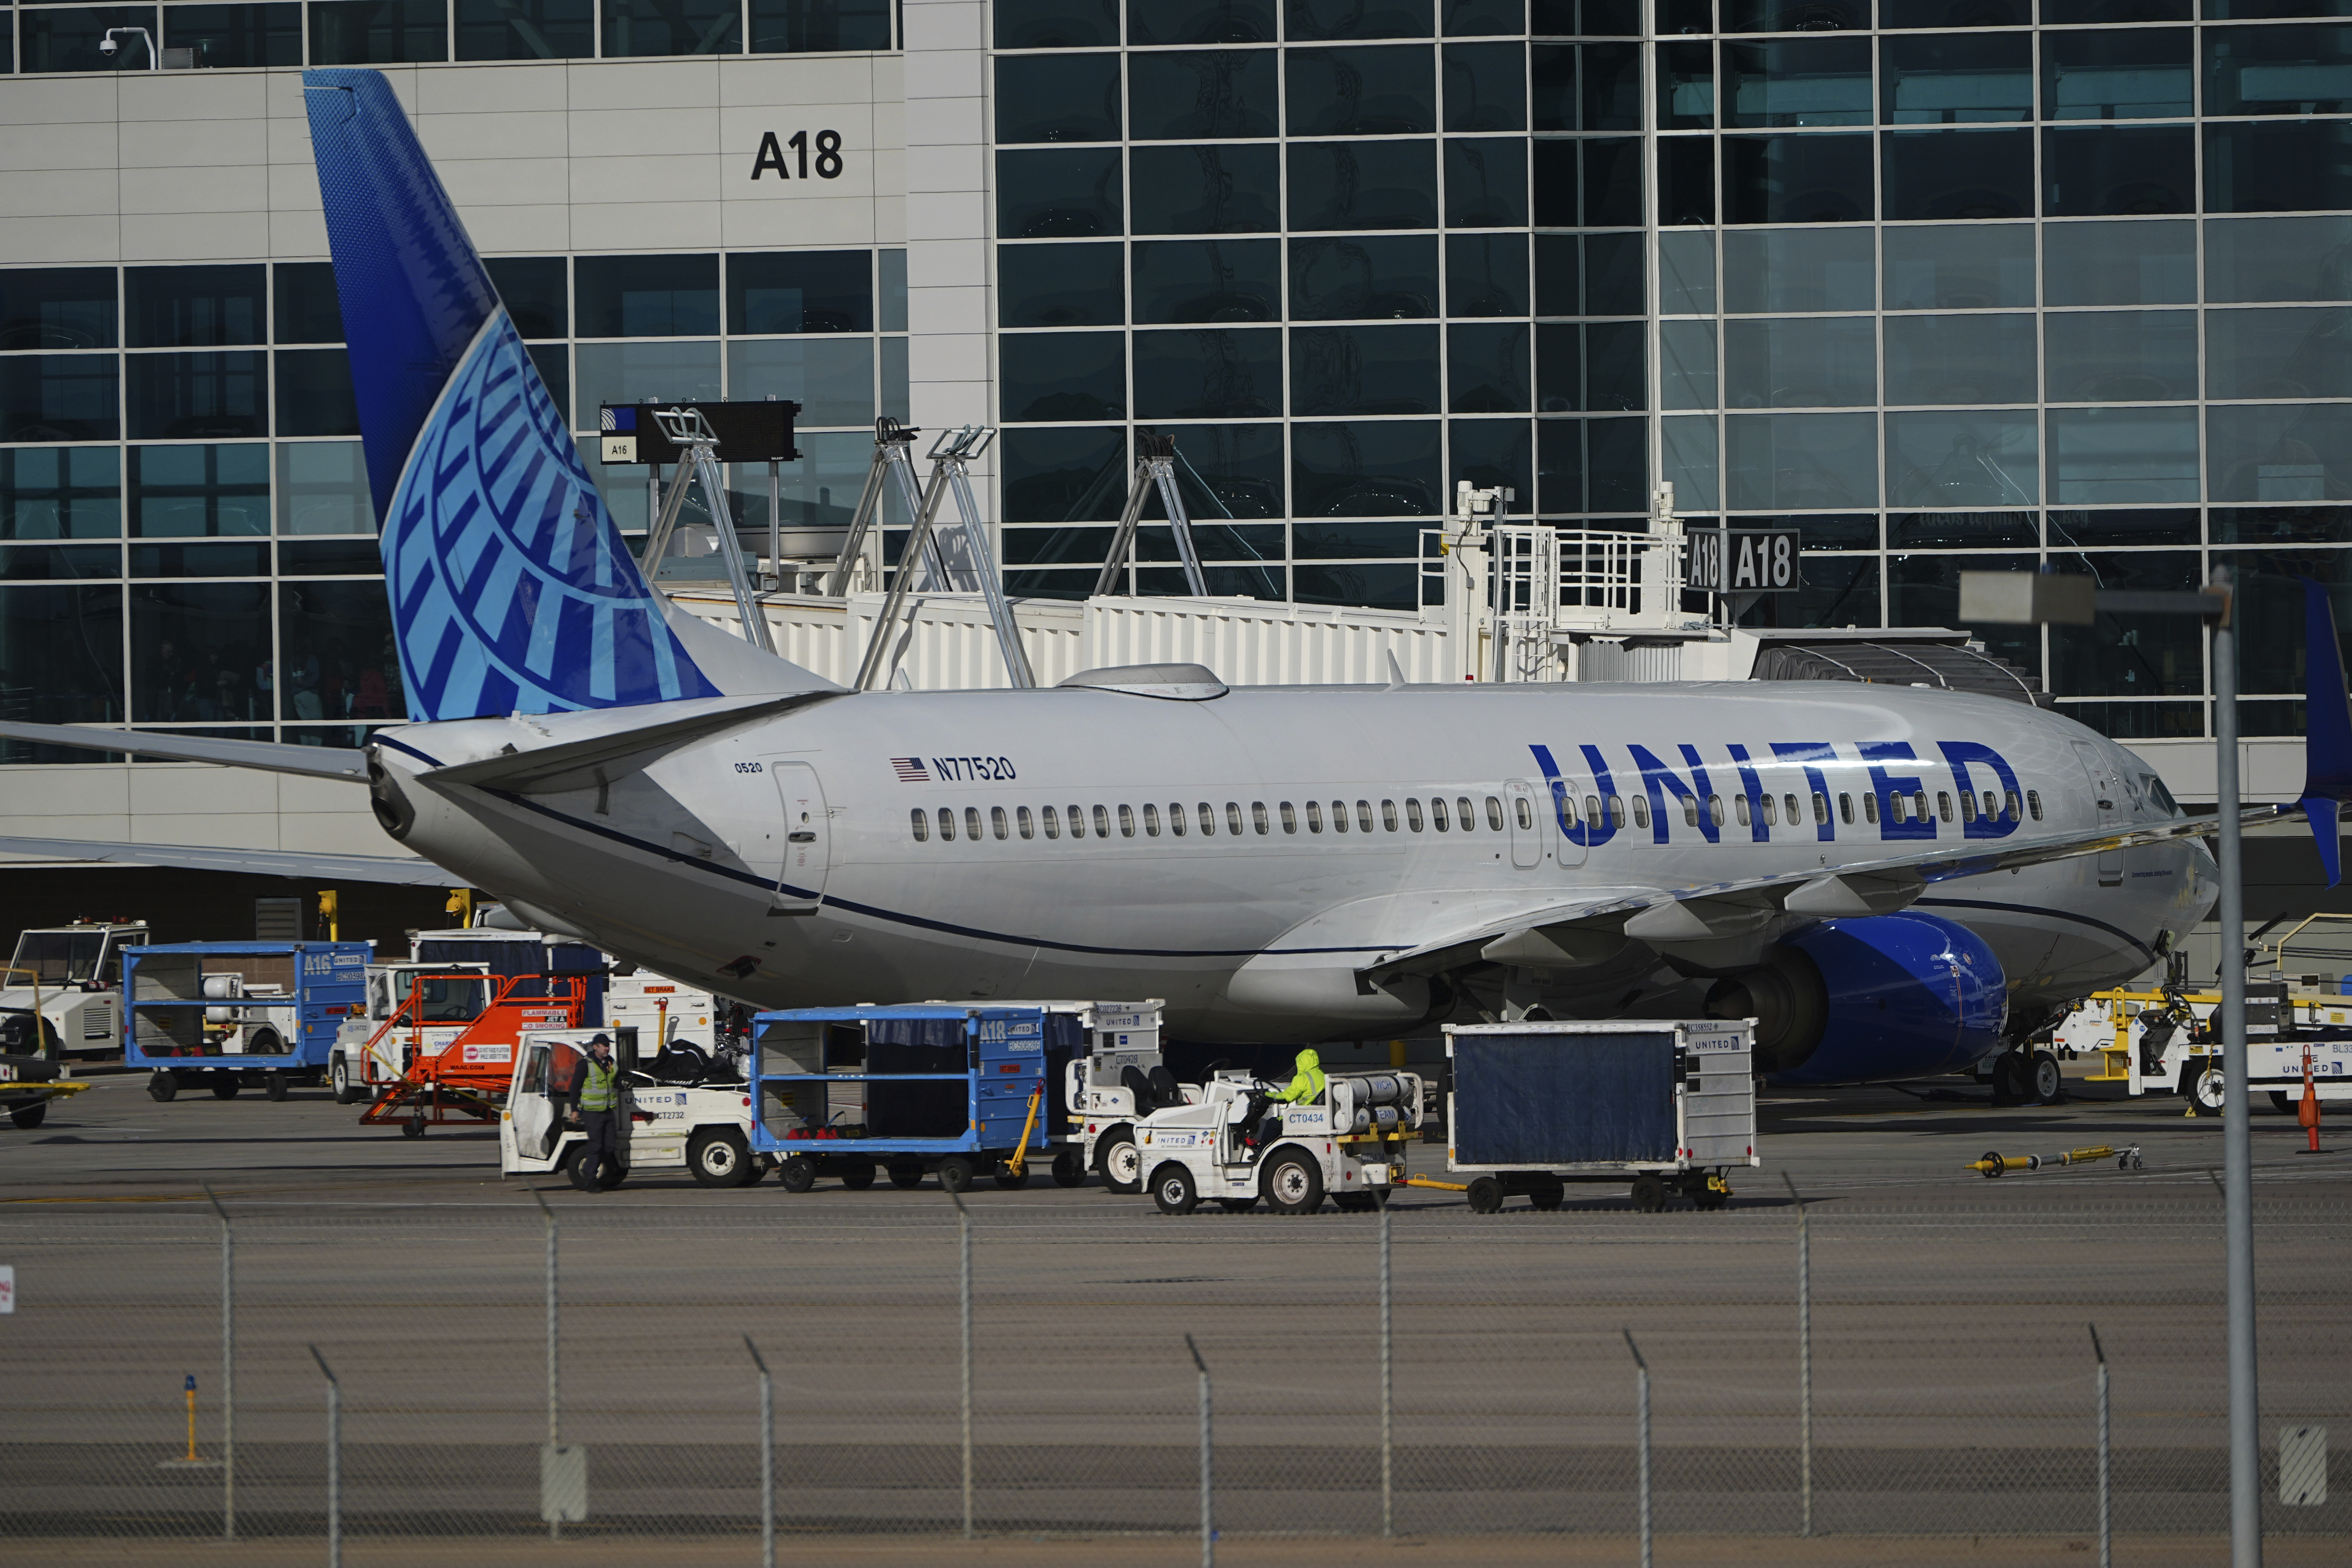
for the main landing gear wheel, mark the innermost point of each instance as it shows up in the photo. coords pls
(1069, 1169)
(1172, 1189)
(1649, 1194)
(2049, 1083)
(340, 1076)
(860, 1176)
(1294, 1185)
(224, 1086)
(1121, 1163)
(721, 1159)
(1485, 1195)
(162, 1087)
(956, 1174)
(905, 1176)
(798, 1174)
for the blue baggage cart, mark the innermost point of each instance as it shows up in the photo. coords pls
(238, 1012)
(959, 1092)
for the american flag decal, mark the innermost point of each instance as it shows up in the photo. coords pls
(911, 770)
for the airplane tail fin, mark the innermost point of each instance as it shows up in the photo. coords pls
(2327, 729)
(511, 589)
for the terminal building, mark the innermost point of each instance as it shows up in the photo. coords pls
(1942, 284)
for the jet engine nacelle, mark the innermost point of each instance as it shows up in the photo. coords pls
(1886, 996)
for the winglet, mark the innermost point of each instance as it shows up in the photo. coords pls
(2327, 729)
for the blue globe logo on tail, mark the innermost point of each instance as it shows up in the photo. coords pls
(511, 590)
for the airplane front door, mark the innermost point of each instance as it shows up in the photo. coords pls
(2106, 796)
(808, 838)
(1528, 831)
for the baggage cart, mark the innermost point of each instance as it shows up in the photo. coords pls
(234, 1013)
(1669, 1106)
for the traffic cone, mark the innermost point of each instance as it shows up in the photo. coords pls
(2308, 1111)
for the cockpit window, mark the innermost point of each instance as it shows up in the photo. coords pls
(2159, 796)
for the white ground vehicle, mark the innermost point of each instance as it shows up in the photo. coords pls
(1348, 1145)
(1120, 1078)
(78, 972)
(704, 1128)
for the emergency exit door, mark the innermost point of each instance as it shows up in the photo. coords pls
(1529, 829)
(808, 838)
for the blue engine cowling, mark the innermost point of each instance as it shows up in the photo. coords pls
(1886, 996)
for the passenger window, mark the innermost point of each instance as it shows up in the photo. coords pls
(1364, 816)
(1233, 817)
(1413, 813)
(1314, 817)
(1944, 806)
(1102, 822)
(947, 823)
(971, 823)
(1389, 815)
(1339, 817)
(1028, 824)
(1967, 807)
(1077, 821)
(1797, 816)
(1437, 812)
(1771, 817)
(922, 824)
(1127, 822)
(1053, 822)
(1919, 805)
(1465, 813)
(2009, 804)
(2034, 803)
(1641, 812)
(1151, 819)
(997, 823)
(1591, 808)
(1740, 806)
(1493, 814)
(1289, 819)
(1898, 807)
(1715, 808)
(1175, 817)
(1821, 809)
(1991, 807)
(1690, 810)
(1208, 819)
(1257, 816)
(1845, 809)
(1870, 807)
(1617, 811)
(1525, 813)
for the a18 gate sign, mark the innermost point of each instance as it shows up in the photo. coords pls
(1745, 561)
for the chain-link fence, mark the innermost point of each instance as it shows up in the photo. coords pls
(1944, 1381)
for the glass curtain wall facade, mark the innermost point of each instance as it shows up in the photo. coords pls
(187, 537)
(1945, 284)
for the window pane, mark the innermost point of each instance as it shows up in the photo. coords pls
(2120, 263)
(1376, 587)
(2278, 166)
(1056, 24)
(336, 652)
(378, 32)
(1943, 174)
(1486, 86)
(1687, 444)
(1595, 365)
(1955, 79)
(1796, 179)
(1960, 267)
(639, 372)
(1471, 18)
(59, 397)
(647, 295)
(2277, 353)
(1686, 274)
(534, 293)
(193, 307)
(1363, 184)
(175, 396)
(819, 26)
(2089, 13)
(820, 492)
(1062, 476)
(322, 487)
(1364, 370)
(1201, 96)
(832, 380)
(2252, 260)
(1208, 375)
(1044, 194)
(1592, 465)
(1960, 359)
(1226, 470)
(1357, 19)
(1178, 281)
(66, 38)
(60, 493)
(2143, 74)
(57, 308)
(1799, 364)
(1494, 452)
(1367, 470)
(1811, 82)
(1486, 275)
(1373, 277)
(1059, 285)
(200, 652)
(1487, 369)
(2130, 655)
(314, 393)
(672, 27)
(1372, 91)
(2277, 70)
(526, 29)
(2119, 170)
(1794, 15)
(1976, 459)
(1686, 364)
(1055, 376)
(894, 290)
(199, 492)
(1057, 97)
(1686, 87)
(2122, 356)
(1797, 269)
(60, 662)
(305, 305)
(2282, 452)
(1199, 21)
(2122, 454)
(1193, 190)
(801, 291)
(1790, 461)
(1486, 182)
(262, 35)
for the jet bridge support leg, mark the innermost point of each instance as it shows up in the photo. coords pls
(951, 456)
(1155, 469)
(697, 445)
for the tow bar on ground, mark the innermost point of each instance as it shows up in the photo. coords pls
(2125, 1159)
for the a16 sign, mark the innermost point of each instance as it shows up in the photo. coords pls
(1745, 561)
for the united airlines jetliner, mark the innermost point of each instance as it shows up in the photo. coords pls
(1890, 879)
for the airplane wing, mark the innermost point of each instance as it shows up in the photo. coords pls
(312, 762)
(1550, 932)
(405, 870)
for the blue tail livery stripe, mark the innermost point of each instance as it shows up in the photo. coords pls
(511, 589)
(2326, 729)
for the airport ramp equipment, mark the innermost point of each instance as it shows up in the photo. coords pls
(955, 1090)
(1669, 1106)
(233, 1014)
(465, 1076)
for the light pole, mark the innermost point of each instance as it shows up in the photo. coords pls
(2031, 597)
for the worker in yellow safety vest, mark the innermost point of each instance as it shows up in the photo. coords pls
(1305, 1087)
(599, 1105)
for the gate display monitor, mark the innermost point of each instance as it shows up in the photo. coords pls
(748, 432)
